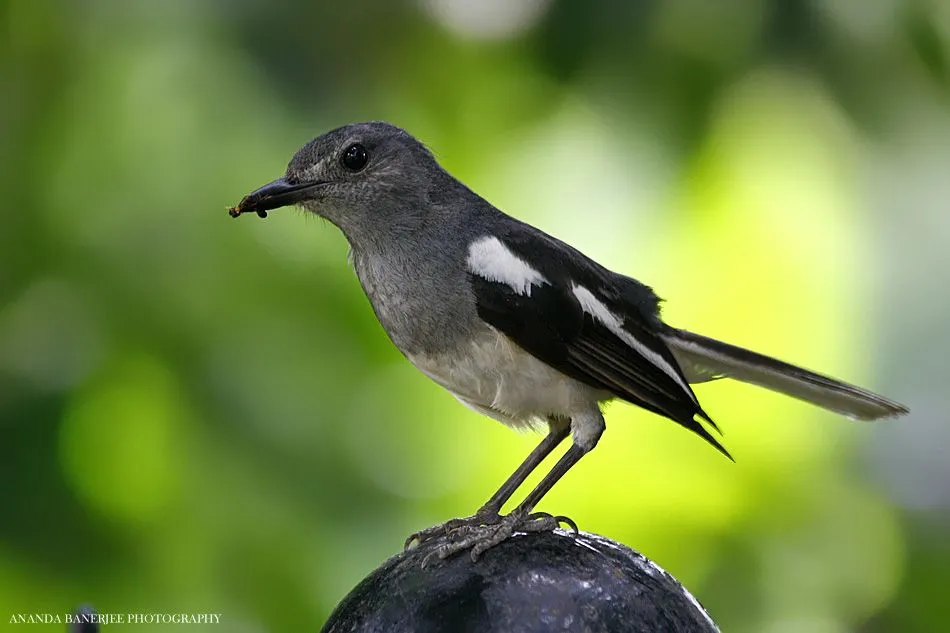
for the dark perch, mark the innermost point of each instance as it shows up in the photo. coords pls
(534, 583)
(84, 620)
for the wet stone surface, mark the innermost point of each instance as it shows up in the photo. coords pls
(527, 584)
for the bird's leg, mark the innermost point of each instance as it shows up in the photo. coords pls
(556, 434)
(483, 537)
(489, 514)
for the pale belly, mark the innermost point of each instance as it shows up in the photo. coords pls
(496, 377)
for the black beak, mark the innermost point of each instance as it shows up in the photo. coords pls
(274, 195)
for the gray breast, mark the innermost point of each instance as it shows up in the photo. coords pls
(424, 305)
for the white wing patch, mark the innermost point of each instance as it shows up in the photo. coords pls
(595, 307)
(490, 259)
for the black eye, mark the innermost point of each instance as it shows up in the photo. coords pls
(355, 157)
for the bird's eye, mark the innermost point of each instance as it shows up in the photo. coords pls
(355, 157)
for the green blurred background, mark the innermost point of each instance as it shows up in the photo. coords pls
(201, 414)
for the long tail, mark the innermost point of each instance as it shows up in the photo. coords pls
(703, 358)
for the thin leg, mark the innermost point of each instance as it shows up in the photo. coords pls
(587, 431)
(551, 441)
(483, 537)
(571, 457)
(489, 513)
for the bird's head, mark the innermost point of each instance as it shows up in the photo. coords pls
(357, 174)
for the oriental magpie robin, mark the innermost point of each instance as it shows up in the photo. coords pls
(516, 324)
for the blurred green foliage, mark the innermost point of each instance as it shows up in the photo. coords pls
(199, 414)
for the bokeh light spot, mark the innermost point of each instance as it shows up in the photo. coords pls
(49, 335)
(119, 442)
(487, 19)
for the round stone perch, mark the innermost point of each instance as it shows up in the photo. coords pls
(534, 583)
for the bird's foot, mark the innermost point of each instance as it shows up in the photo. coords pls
(480, 537)
(454, 527)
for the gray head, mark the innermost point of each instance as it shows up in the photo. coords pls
(360, 176)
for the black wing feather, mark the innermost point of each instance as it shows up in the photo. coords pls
(551, 325)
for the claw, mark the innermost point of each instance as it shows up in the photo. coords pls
(559, 518)
(455, 528)
(570, 523)
(429, 557)
(427, 534)
(481, 532)
(481, 536)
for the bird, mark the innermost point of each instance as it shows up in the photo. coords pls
(516, 324)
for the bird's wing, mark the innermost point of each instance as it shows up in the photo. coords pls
(585, 321)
